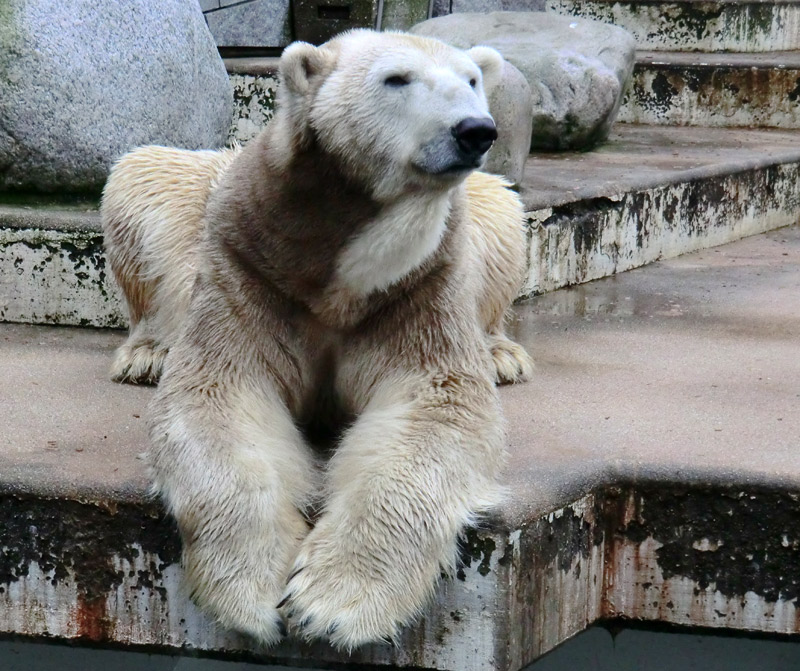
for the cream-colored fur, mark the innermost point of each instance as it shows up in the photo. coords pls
(397, 242)
(345, 269)
(153, 207)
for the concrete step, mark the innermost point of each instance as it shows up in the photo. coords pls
(654, 475)
(53, 268)
(702, 89)
(749, 90)
(697, 25)
(650, 193)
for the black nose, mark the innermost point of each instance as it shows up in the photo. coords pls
(474, 135)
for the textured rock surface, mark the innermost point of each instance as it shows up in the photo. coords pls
(83, 82)
(259, 23)
(577, 69)
(483, 6)
(511, 106)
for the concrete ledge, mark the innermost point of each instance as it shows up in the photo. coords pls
(654, 475)
(697, 25)
(654, 194)
(748, 90)
(700, 89)
(649, 193)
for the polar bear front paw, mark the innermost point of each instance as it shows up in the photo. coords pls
(139, 363)
(238, 600)
(349, 595)
(512, 363)
(237, 572)
(263, 623)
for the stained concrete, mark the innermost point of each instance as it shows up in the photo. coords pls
(661, 426)
(697, 25)
(707, 89)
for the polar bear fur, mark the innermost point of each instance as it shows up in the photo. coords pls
(344, 272)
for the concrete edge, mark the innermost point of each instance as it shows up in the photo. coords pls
(53, 218)
(257, 66)
(604, 236)
(107, 572)
(783, 60)
(589, 197)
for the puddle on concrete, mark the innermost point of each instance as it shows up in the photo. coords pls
(604, 298)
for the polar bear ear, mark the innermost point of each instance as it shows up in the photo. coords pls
(491, 64)
(301, 61)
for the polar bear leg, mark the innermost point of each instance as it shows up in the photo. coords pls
(236, 475)
(152, 215)
(416, 467)
(498, 244)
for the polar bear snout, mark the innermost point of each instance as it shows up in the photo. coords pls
(457, 150)
(475, 136)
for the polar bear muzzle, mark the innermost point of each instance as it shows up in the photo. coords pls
(475, 136)
(459, 149)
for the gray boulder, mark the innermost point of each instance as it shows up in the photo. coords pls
(81, 83)
(577, 68)
(511, 107)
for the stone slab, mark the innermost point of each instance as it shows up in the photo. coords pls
(705, 89)
(697, 25)
(649, 193)
(654, 475)
(640, 157)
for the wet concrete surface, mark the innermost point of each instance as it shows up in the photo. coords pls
(643, 157)
(686, 371)
(67, 430)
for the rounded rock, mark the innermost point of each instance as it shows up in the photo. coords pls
(82, 83)
(577, 69)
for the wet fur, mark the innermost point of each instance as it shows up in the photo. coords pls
(245, 266)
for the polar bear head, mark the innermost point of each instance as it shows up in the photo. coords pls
(396, 112)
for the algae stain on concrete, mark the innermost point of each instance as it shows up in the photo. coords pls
(57, 277)
(475, 548)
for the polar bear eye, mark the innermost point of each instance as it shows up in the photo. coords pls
(396, 81)
(473, 82)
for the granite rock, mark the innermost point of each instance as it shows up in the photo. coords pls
(83, 82)
(577, 68)
(484, 6)
(511, 106)
(259, 23)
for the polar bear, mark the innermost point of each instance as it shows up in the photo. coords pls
(346, 274)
